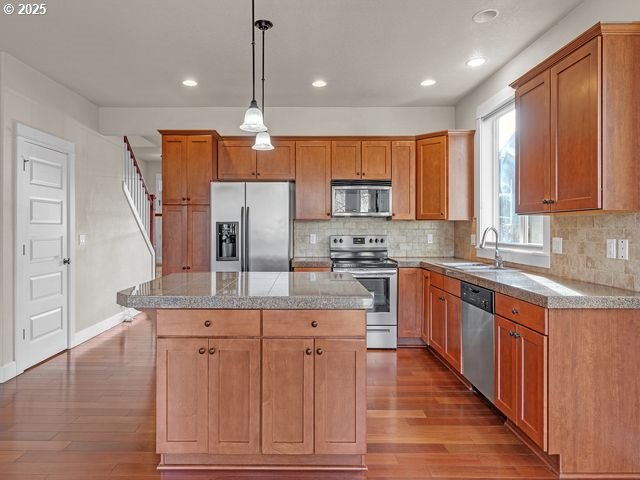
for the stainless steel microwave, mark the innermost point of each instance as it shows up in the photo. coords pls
(360, 198)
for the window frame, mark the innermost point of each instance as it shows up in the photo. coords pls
(487, 181)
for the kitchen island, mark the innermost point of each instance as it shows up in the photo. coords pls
(258, 370)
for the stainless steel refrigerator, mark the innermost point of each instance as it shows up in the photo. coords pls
(252, 226)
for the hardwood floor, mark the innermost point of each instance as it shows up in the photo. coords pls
(89, 414)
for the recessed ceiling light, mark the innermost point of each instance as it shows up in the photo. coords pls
(319, 83)
(428, 82)
(189, 83)
(485, 16)
(475, 61)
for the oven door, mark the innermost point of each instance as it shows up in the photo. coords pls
(361, 201)
(383, 284)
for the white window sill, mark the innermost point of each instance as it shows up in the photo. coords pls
(522, 257)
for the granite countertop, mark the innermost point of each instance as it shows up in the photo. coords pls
(311, 262)
(544, 290)
(250, 290)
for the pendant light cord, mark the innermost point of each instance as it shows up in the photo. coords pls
(253, 48)
(263, 74)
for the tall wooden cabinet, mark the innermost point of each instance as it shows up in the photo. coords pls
(188, 165)
(578, 133)
(444, 175)
(313, 180)
(403, 179)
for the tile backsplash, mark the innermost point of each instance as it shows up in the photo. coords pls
(406, 239)
(584, 239)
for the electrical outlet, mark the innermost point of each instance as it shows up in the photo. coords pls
(612, 248)
(429, 238)
(623, 249)
(473, 239)
(556, 245)
(82, 239)
(312, 239)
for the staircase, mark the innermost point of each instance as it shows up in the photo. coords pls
(140, 200)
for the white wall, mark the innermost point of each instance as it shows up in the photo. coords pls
(115, 256)
(281, 120)
(576, 22)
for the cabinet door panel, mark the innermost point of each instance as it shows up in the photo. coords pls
(199, 238)
(533, 145)
(453, 332)
(438, 304)
(174, 169)
(174, 239)
(313, 180)
(410, 302)
(279, 163)
(376, 160)
(576, 167)
(287, 396)
(426, 305)
(199, 168)
(346, 159)
(236, 160)
(432, 179)
(532, 385)
(182, 373)
(234, 396)
(403, 178)
(340, 391)
(505, 368)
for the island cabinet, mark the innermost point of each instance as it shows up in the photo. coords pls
(238, 161)
(578, 134)
(444, 175)
(313, 180)
(445, 322)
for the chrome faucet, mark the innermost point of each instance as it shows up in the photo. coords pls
(498, 258)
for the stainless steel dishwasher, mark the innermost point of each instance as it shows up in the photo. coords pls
(477, 338)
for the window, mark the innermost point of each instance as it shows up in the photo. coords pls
(523, 238)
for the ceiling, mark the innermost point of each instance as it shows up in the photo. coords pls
(135, 53)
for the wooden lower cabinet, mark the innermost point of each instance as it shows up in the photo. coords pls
(438, 316)
(521, 378)
(453, 332)
(410, 291)
(426, 305)
(186, 233)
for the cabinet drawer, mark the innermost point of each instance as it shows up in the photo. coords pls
(524, 313)
(437, 280)
(208, 323)
(314, 323)
(452, 286)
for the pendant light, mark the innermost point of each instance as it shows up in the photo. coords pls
(253, 121)
(263, 139)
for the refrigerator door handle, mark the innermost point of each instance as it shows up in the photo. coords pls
(246, 241)
(242, 239)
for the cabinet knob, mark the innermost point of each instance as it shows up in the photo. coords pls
(314, 324)
(516, 335)
(184, 268)
(253, 173)
(202, 350)
(184, 198)
(545, 201)
(512, 333)
(442, 214)
(393, 214)
(328, 214)
(319, 351)
(188, 267)
(441, 298)
(515, 311)
(212, 351)
(308, 351)
(550, 201)
(357, 173)
(207, 323)
(364, 174)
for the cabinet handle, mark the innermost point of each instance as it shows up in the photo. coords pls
(308, 351)
(202, 350)
(314, 324)
(515, 311)
(207, 323)
(550, 201)
(319, 351)
(516, 335)
(511, 333)
(545, 201)
(212, 351)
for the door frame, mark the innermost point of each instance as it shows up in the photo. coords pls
(63, 146)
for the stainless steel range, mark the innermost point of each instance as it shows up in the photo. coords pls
(366, 257)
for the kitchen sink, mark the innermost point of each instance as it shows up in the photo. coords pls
(473, 267)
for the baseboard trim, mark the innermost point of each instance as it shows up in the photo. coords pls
(8, 371)
(101, 327)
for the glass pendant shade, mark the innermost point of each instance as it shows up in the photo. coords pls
(263, 141)
(253, 121)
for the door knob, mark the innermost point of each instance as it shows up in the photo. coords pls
(66, 261)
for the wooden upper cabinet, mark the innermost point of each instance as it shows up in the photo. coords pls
(236, 160)
(174, 239)
(453, 332)
(234, 396)
(199, 171)
(340, 397)
(410, 291)
(575, 110)
(313, 180)
(174, 166)
(376, 160)
(198, 238)
(533, 110)
(279, 163)
(444, 176)
(346, 159)
(594, 130)
(403, 179)
(182, 373)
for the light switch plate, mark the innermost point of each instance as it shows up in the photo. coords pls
(312, 239)
(623, 249)
(612, 248)
(473, 239)
(429, 238)
(556, 245)
(82, 239)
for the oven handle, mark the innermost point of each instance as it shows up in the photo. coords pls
(368, 273)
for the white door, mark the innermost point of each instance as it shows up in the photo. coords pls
(42, 299)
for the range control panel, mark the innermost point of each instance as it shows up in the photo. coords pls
(358, 242)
